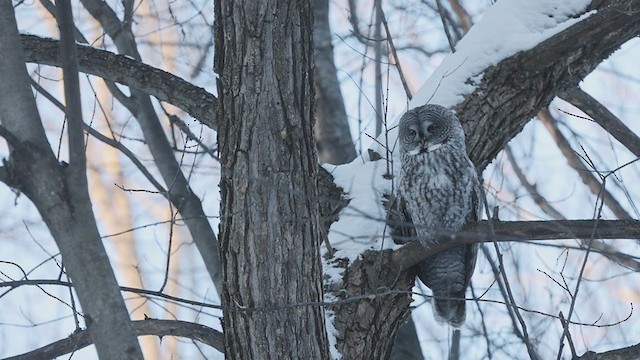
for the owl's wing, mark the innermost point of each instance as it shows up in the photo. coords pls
(398, 219)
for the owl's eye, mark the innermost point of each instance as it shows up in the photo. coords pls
(432, 128)
(412, 133)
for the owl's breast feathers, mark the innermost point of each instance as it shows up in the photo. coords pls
(438, 189)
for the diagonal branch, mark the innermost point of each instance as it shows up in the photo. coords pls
(81, 339)
(512, 91)
(73, 108)
(124, 70)
(600, 246)
(603, 117)
(189, 205)
(577, 164)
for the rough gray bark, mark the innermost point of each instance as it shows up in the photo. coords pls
(333, 137)
(61, 196)
(270, 222)
(367, 328)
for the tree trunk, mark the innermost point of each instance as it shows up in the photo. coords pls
(335, 145)
(61, 195)
(270, 227)
(367, 325)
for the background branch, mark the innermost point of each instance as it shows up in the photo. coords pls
(81, 339)
(124, 70)
(603, 117)
(578, 165)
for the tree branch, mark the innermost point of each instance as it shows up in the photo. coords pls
(124, 70)
(73, 108)
(332, 133)
(600, 246)
(521, 231)
(81, 339)
(513, 91)
(627, 353)
(603, 117)
(595, 185)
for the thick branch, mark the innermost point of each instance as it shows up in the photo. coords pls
(477, 232)
(513, 91)
(627, 353)
(63, 204)
(124, 70)
(81, 339)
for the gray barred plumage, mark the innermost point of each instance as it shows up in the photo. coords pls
(438, 193)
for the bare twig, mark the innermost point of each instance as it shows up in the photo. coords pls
(393, 50)
(496, 272)
(565, 325)
(511, 299)
(601, 247)
(485, 333)
(452, 43)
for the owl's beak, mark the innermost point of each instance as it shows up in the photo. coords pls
(423, 145)
(427, 147)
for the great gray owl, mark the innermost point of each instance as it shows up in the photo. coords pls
(437, 191)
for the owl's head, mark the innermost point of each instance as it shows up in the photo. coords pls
(428, 128)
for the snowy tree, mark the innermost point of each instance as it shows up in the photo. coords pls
(305, 267)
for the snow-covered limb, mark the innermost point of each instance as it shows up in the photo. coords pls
(511, 64)
(507, 67)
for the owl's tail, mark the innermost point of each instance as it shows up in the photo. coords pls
(448, 310)
(445, 275)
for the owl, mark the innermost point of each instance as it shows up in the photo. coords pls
(437, 192)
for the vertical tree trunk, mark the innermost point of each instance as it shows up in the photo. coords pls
(270, 232)
(61, 195)
(335, 145)
(367, 328)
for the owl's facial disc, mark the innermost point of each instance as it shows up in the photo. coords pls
(425, 139)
